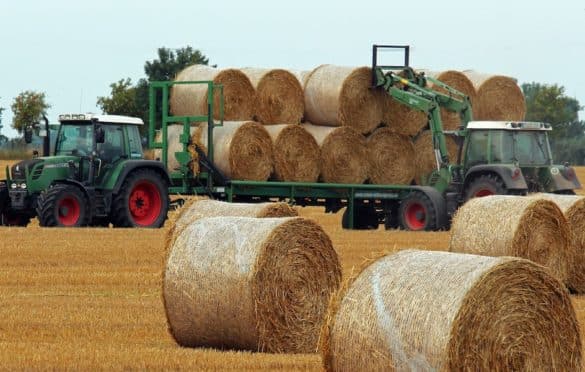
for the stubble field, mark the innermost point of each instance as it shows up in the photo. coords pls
(91, 298)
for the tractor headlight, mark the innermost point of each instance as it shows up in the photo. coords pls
(23, 186)
(13, 186)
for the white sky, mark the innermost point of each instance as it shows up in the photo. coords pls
(72, 50)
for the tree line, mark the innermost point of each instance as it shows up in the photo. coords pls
(544, 103)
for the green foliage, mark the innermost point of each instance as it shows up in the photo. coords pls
(1, 109)
(549, 104)
(28, 107)
(126, 99)
(122, 99)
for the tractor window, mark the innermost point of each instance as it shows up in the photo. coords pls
(74, 139)
(113, 147)
(531, 147)
(477, 148)
(135, 142)
(502, 147)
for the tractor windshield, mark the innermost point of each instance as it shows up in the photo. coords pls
(74, 139)
(525, 147)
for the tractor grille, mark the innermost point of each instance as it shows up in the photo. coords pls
(38, 172)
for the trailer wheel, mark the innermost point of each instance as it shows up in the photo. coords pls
(485, 185)
(417, 213)
(364, 218)
(143, 201)
(62, 205)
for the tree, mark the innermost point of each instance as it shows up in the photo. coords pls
(122, 99)
(549, 104)
(1, 110)
(126, 99)
(28, 107)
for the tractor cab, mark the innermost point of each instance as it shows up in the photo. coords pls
(512, 157)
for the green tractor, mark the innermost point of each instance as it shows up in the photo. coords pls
(97, 175)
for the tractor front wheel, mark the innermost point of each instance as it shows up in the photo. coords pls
(417, 213)
(143, 201)
(63, 206)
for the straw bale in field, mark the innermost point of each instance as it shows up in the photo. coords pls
(425, 154)
(573, 207)
(497, 97)
(440, 311)
(344, 155)
(191, 100)
(391, 157)
(260, 284)
(296, 153)
(279, 96)
(504, 225)
(456, 80)
(242, 149)
(341, 96)
(195, 209)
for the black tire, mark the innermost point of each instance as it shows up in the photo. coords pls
(485, 185)
(565, 192)
(365, 217)
(10, 218)
(63, 206)
(417, 213)
(143, 201)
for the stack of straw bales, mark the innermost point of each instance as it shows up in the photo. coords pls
(250, 283)
(458, 81)
(344, 155)
(191, 99)
(279, 96)
(501, 225)
(341, 96)
(573, 207)
(296, 153)
(497, 97)
(242, 149)
(391, 157)
(423, 311)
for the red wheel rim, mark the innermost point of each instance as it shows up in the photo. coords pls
(68, 211)
(145, 203)
(416, 216)
(483, 192)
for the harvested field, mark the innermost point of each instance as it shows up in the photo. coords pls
(92, 298)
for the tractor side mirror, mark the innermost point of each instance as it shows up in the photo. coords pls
(28, 133)
(100, 135)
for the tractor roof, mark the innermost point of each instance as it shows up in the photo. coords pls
(105, 119)
(509, 125)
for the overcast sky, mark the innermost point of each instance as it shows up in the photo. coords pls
(73, 50)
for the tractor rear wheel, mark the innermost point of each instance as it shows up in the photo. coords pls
(485, 185)
(62, 205)
(417, 213)
(143, 201)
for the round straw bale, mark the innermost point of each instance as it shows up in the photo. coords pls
(573, 207)
(302, 76)
(400, 118)
(296, 153)
(279, 96)
(438, 311)
(504, 225)
(341, 96)
(458, 81)
(260, 284)
(239, 94)
(196, 209)
(425, 154)
(344, 155)
(173, 133)
(497, 97)
(391, 157)
(242, 149)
